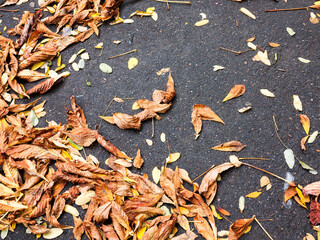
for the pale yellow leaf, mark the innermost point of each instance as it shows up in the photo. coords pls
(201, 23)
(132, 63)
(173, 157)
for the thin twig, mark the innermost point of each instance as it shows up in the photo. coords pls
(168, 1)
(263, 228)
(229, 50)
(253, 158)
(122, 54)
(8, 10)
(106, 110)
(152, 135)
(287, 9)
(225, 218)
(203, 173)
(272, 174)
(235, 17)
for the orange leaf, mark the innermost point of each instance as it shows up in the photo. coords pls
(202, 112)
(303, 142)
(298, 200)
(239, 227)
(289, 193)
(251, 39)
(271, 44)
(232, 146)
(236, 91)
(253, 195)
(203, 227)
(138, 160)
(223, 211)
(305, 121)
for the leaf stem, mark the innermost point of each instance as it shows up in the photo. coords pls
(8, 10)
(287, 9)
(152, 135)
(168, 1)
(107, 110)
(122, 54)
(253, 158)
(272, 174)
(263, 228)
(203, 173)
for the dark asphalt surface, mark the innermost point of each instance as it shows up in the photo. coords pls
(191, 52)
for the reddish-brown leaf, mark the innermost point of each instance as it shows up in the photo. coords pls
(238, 228)
(236, 91)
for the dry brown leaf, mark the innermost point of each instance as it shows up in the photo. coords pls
(289, 193)
(303, 143)
(189, 235)
(236, 91)
(305, 121)
(238, 228)
(138, 160)
(154, 106)
(223, 211)
(78, 229)
(312, 189)
(11, 206)
(203, 227)
(202, 112)
(232, 146)
(165, 97)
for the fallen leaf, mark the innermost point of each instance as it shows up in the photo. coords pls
(267, 93)
(202, 112)
(52, 233)
(264, 181)
(251, 39)
(105, 68)
(149, 142)
(236, 91)
(309, 237)
(263, 57)
(156, 175)
(253, 195)
(274, 45)
(163, 71)
(173, 157)
(242, 203)
(232, 146)
(204, 228)
(238, 228)
(313, 137)
(223, 211)
(201, 23)
(305, 121)
(289, 193)
(163, 137)
(252, 46)
(312, 189)
(247, 12)
(303, 60)
(138, 160)
(297, 103)
(189, 235)
(289, 157)
(132, 63)
(290, 31)
(303, 143)
(217, 68)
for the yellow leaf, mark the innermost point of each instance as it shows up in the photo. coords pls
(132, 63)
(305, 121)
(173, 157)
(37, 65)
(248, 229)
(214, 212)
(184, 211)
(129, 180)
(135, 106)
(141, 232)
(271, 44)
(201, 23)
(59, 61)
(134, 192)
(253, 195)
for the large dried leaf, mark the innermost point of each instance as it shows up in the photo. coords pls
(189, 235)
(28, 151)
(232, 146)
(154, 106)
(238, 228)
(203, 228)
(236, 91)
(202, 112)
(11, 206)
(30, 76)
(312, 189)
(78, 229)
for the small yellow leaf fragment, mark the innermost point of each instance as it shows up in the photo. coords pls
(251, 39)
(141, 232)
(297, 103)
(173, 157)
(303, 60)
(132, 63)
(156, 175)
(290, 31)
(308, 237)
(163, 137)
(201, 23)
(247, 12)
(37, 65)
(252, 46)
(242, 203)
(119, 100)
(267, 93)
(247, 230)
(253, 195)
(149, 142)
(117, 42)
(274, 45)
(268, 187)
(163, 71)
(99, 45)
(135, 106)
(71, 209)
(264, 181)
(214, 212)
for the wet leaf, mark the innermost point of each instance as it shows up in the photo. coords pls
(132, 63)
(289, 157)
(305, 121)
(105, 68)
(267, 93)
(232, 146)
(236, 91)
(253, 195)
